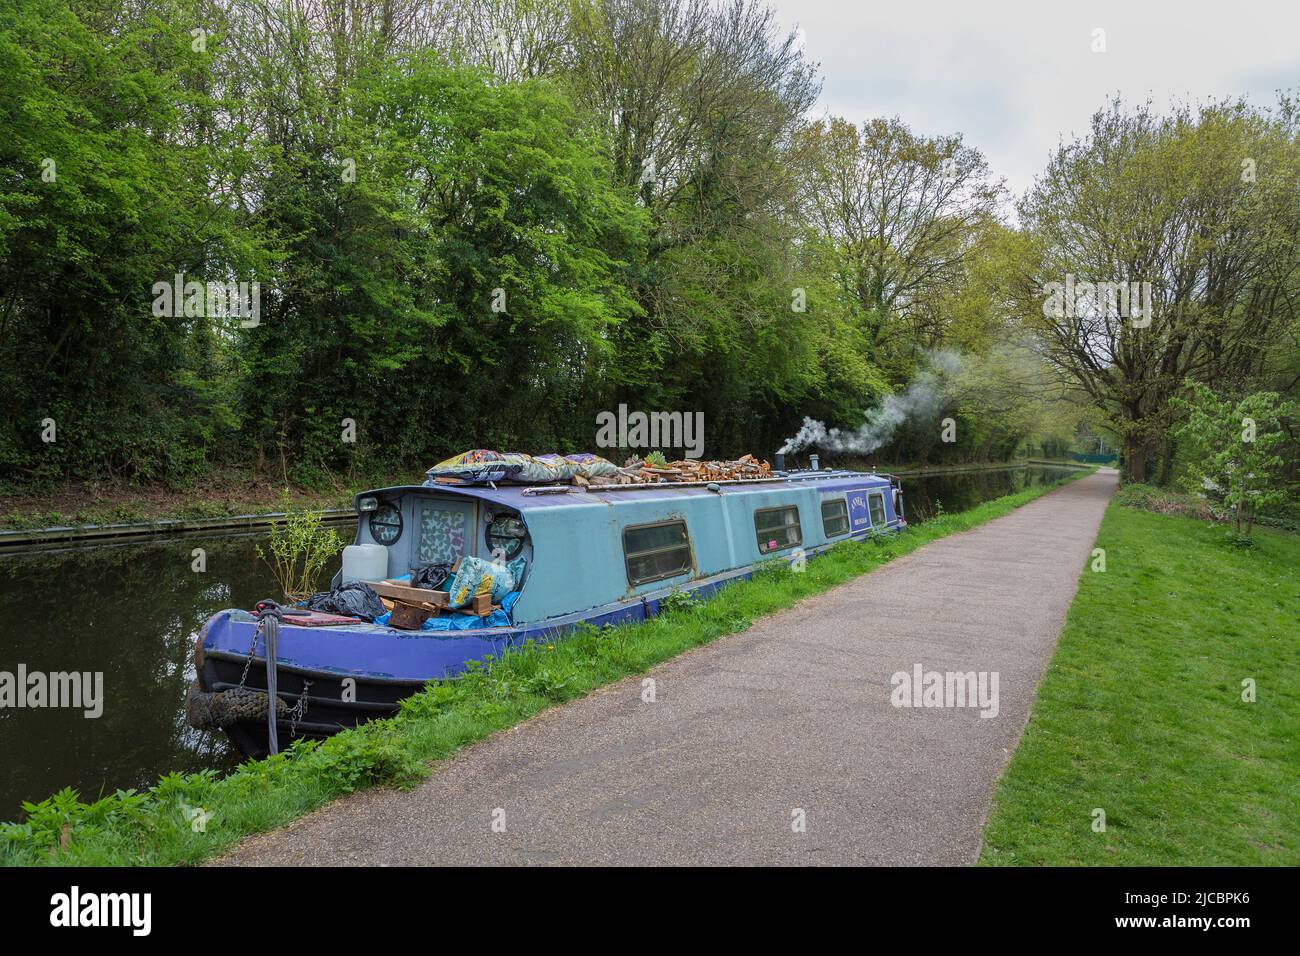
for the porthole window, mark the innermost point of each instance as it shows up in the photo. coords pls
(386, 523)
(505, 537)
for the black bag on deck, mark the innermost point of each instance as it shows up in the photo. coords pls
(430, 576)
(354, 599)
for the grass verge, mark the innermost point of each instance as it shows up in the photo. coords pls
(188, 817)
(1141, 713)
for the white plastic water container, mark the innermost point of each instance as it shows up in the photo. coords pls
(365, 562)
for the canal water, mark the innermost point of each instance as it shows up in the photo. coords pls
(133, 611)
(924, 495)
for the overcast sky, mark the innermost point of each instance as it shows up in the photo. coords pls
(1016, 77)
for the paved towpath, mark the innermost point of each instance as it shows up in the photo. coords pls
(792, 715)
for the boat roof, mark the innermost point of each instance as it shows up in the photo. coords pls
(524, 498)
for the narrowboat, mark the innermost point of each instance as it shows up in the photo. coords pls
(591, 555)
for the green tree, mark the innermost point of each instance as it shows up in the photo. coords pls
(907, 215)
(112, 179)
(456, 264)
(1234, 446)
(1197, 211)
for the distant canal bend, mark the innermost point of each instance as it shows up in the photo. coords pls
(133, 611)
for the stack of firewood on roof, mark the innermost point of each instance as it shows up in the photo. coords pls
(641, 471)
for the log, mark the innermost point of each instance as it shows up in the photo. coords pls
(410, 595)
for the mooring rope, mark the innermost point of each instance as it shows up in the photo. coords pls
(269, 614)
(272, 641)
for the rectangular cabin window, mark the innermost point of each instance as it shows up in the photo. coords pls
(877, 505)
(656, 551)
(777, 529)
(835, 516)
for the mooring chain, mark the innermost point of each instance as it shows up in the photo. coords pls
(252, 649)
(299, 710)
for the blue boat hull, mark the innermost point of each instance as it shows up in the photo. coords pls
(356, 673)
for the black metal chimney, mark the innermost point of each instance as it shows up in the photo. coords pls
(778, 461)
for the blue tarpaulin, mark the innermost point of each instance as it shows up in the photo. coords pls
(467, 622)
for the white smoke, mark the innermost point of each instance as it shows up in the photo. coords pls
(921, 401)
